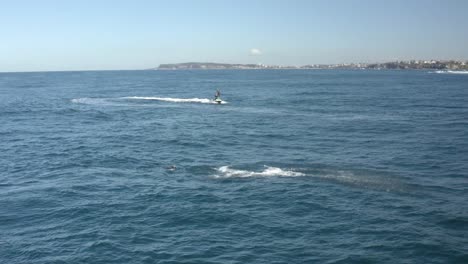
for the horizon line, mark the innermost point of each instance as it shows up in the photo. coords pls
(281, 65)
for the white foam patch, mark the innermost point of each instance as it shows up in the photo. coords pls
(86, 100)
(175, 100)
(227, 172)
(452, 72)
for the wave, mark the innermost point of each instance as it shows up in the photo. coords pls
(227, 172)
(175, 100)
(451, 72)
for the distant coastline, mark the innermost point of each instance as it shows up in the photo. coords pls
(396, 65)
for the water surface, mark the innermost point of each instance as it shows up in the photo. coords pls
(310, 166)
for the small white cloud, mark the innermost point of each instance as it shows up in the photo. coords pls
(255, 52)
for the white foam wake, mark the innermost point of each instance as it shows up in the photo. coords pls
(174, 100)
(86, 100)
(227, 172)
(452, 72)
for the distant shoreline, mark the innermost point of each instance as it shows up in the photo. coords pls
(397, 65)
(459, 66)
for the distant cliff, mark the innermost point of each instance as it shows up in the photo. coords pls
(207, 65)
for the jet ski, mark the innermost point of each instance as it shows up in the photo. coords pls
(218, 97)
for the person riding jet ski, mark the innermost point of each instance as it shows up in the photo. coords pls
(217, 98)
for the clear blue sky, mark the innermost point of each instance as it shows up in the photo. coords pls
(101, 34)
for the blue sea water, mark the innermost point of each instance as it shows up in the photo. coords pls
(297, 166)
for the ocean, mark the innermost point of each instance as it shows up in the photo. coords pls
(296, 166)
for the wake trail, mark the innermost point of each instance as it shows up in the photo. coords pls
(174, 100)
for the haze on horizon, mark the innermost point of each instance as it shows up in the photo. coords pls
(106, 35)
